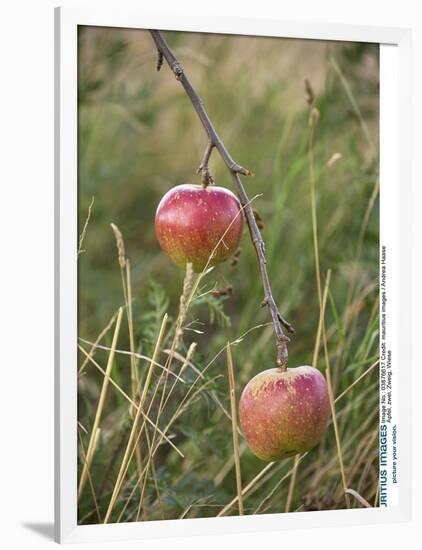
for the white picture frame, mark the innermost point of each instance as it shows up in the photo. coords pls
(395, 229)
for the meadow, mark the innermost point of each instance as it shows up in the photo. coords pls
(155, 430)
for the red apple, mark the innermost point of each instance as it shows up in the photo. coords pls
(284, 413)
(198, 225)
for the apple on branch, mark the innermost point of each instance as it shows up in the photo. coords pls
(283, 413)
(199, 225)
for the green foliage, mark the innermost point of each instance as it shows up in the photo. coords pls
(215, 307)
(150, 320)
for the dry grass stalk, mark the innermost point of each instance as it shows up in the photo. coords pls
(322, 300)
(178, 335)
(189, 363)
(94, 345)
(333, 159)
(358, 497)
(377, 494)
(134, 375)
(186, 362)
(89, 455)
(329, 383)
(132, 403)
(233, 409)
(149, 360)
(183, 405)
(179, 411)
(349, 444)
(100, 406)
(224, 471)
(85, 227)
(127, 293)
(336, 432)
(313, 120)
(354, 104)
(133, 371)
(150, 463)
(124, 264)
(276, 486)
(84, 460)
(120, 245)
(184, 305)
(292, 483)
(375, 192)
(246, 489)
(353, 384)
(133, 434)
(312, 184)
(330, 391)
(362, 451)
(184, 365)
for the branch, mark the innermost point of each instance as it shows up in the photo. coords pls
(235, 170)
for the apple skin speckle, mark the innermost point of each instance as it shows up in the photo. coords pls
(191, 221)
(284, 413)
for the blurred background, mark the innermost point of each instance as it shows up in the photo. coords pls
(138, 137)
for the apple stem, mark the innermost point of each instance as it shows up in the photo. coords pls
(203, 167)
(235, 169)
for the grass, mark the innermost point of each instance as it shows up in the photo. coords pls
(99, 411)
(233, 412)
(158, 381)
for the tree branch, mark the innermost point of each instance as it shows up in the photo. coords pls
(235, 170)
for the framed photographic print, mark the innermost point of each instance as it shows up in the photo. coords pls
(232, 275)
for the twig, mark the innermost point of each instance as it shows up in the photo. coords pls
(235, 170)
